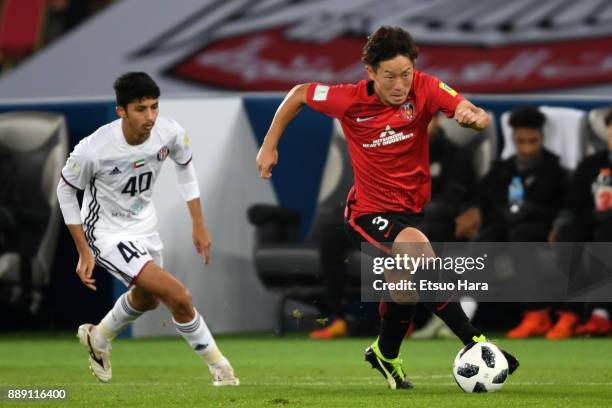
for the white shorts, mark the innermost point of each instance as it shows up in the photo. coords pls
(125, 256)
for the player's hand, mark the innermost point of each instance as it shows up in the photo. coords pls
(85, 269)
(468, 223)
(468, 115)
(266, 160)
(201, 241)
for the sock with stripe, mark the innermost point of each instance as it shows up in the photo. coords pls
(117, 319)
(199, 337)
(455, 318)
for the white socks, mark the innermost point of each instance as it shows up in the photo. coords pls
(195, 332)
(201, 340)
(115, 321)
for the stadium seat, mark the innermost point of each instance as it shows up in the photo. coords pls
(563, 134)
(22, 23)
(37, 143)
(597, 134)
(293, 269)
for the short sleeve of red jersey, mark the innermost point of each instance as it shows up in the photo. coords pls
(441, 96)
(331, 100)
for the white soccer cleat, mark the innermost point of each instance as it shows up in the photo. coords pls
(99, 359)
(223, 375)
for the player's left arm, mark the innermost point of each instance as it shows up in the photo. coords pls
(182, 155)
(190, 191)
(470, 116)
(200, 234)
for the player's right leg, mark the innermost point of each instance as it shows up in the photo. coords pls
(124, 259)
(188, 322)
(413, 242)
(380, 231)
(397, 313)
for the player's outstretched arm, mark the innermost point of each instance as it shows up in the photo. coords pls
(470, 116)
(200, 235)
(286, 112)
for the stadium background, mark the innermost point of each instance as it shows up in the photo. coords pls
(214, 59)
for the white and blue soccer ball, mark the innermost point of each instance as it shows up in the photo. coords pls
(480, 367)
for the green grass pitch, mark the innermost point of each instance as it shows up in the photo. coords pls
(298, 372)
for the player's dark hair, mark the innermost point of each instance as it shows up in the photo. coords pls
(527, 116)
(608, 118)
(387, 43)
(134, 86)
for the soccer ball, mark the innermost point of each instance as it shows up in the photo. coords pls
(480, 367)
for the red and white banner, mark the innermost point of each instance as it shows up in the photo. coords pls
(269, 61)
(193, 45)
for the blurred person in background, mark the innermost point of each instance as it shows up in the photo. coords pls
(518, 200)
(587, 217)
(334, 247)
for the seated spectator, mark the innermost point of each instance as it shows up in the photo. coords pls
(333, 247)
(518, 200)
(587, 216)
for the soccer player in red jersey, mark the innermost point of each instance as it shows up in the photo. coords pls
(385, 122)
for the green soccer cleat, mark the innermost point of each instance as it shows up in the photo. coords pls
(391, 369)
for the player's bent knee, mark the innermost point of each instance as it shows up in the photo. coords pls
(142, 300)
(410, 234)
(181, 302)
(151, 304)
(413, 242)
(146, 304)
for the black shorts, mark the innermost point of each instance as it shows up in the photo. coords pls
(380, 229)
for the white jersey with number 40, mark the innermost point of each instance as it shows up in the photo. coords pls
(118, 178)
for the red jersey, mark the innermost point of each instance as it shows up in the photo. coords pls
(388, 145)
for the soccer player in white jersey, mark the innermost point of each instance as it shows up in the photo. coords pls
(117, 167)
